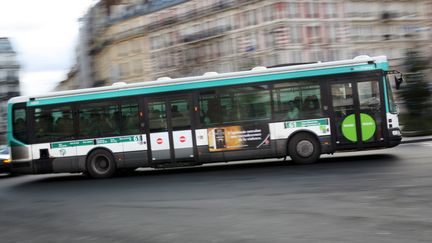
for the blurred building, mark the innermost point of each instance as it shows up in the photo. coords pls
(71, 82)
(9, 81)
(138, 40)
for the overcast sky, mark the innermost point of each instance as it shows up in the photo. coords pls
(44, 34)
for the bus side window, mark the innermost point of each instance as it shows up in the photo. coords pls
(52, 124)
(297, 102)
(209, 114)
(129, 119)
(99, 120)
(157, 116)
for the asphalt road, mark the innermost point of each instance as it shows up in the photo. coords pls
(375, 196)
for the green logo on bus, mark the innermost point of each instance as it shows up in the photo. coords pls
(349, 128)
(368, 126)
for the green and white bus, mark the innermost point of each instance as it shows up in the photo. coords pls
(299, 111)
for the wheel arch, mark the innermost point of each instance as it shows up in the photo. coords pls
(291, 136)
(99, 148)
(104, 169)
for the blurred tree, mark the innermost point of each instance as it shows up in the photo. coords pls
(416, 93)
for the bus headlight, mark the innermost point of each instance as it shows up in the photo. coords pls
(7, 161)
(396, 133)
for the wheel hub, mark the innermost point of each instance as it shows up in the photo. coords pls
(305, 148)
(101, 163)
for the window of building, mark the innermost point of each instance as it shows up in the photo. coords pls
(297, 56)
(296, 33)
(251, 17)
(137, 67)
(331, 34)
(124, 70)
(123, 49)
(280, 10)
(267, 13)
(136, 45)
(293, 10)
(313, 34)
(330, 10)
(12, 74)
(281, 35)
(239, 18)
(311, 10)
(269, 39)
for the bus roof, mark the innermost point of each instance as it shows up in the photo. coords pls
(210, 79)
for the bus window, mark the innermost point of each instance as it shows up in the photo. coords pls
(228, 109)
(130, 119)
(209, 114)
(99, 120)
(342, 96)
(19, 124)
(52, 124)
(292, 101)
(180, 114)
(392, 103)
(245, 104)
(253, 105)
(157, 116)
(369, 95)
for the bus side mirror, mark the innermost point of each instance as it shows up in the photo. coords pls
(398, 81)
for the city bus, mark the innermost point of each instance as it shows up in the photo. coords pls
(300, 111)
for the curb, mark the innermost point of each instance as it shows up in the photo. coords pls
(416, 140)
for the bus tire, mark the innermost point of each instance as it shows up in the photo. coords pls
(100, 164)
(304, 148)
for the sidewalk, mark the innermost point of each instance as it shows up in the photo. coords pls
(416, 139)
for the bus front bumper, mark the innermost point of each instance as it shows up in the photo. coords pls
(21, 167)
(5, 166)
(395, 137)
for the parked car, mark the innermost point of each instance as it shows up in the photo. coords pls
(4, 159)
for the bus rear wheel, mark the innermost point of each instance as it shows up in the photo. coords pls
(304, 148)
(100, 164)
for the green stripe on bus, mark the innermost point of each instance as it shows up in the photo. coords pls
(72, 143)
(118, 140)
(307, 123)
(207, 84)
(87, 142)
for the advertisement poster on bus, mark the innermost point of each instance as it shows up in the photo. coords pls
(238, 137)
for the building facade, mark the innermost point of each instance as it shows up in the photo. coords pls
(139, 40)
(9, 81)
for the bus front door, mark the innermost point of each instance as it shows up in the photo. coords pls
(169, 123)
(357, 111)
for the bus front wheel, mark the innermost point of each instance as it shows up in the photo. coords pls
(304, 148)
(101, 164)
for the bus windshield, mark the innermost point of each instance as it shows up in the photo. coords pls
(391, 101)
